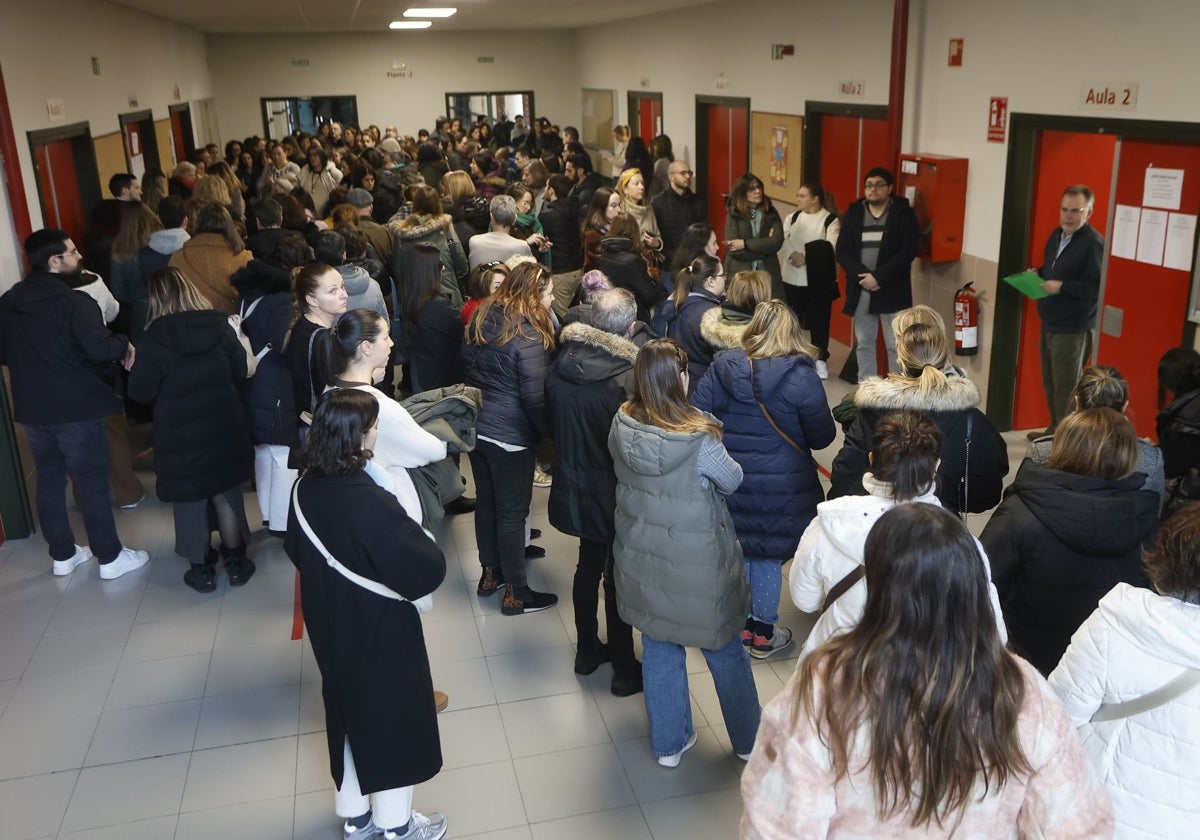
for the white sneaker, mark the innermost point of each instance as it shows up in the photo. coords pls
(127, 561)
(672, 760)
(82, 555)
(541, 478)
(421, 827)
(822, 370)
(744, 756)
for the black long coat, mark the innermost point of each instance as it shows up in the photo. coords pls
(370, 649)
(189, 366)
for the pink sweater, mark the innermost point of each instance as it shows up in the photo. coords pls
(789, 791)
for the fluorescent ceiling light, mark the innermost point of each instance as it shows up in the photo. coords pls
(429, 13)
(410, 24)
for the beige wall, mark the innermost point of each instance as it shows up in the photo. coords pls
(46, 50)
(246, 68)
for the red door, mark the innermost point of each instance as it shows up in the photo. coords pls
(58, 184)
(728, 157)
(649, 118)
(1064, 158)
(849, 147)
(177, 135)
(1152, 299)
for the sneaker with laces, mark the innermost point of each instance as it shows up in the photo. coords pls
(519, 600)
(822, 370)
(127, 561)
(82, 555)
(367, 832)
(421, 827)
(672, 760)
(490, 582)
(764, 648)
(541, 478)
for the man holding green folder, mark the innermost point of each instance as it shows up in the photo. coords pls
(1070, 274)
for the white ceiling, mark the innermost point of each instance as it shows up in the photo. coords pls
(320, 16)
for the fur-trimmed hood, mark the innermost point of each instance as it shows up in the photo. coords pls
(420, 227)
(895, 393)
(259, 278)
(592, 355)
(722, 327)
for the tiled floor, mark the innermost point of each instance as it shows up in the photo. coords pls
(138, 709)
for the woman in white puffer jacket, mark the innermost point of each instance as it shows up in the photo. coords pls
(904, 462)
(1136, 642)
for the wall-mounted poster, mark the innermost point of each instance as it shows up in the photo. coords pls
(776, 144)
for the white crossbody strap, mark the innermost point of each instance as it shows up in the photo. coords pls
(366, 583)
(1177, 687)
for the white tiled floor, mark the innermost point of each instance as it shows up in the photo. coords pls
(138, 709)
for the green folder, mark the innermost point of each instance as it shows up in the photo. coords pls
(1028, 283)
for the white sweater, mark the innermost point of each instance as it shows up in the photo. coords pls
(808, 227)
(832, 546)
(1135, 642)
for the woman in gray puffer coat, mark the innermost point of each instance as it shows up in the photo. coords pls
(678, 564)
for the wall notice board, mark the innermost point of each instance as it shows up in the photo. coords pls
(166, 144)
(776, 144)
(110, 158)
(599, 108)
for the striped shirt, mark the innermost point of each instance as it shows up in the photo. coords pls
(872, 235)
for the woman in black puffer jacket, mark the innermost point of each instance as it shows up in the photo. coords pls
(622, 262)
(507, 354)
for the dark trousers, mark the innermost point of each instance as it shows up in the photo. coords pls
(82, 450)
(503, 491)
(1063, 358)
(595, 560)
(814, 316)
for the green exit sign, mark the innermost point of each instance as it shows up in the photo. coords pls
(299, 62)
(486, 59)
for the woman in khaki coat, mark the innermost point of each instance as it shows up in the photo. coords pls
(212, 255)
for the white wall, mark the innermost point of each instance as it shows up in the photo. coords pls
(1037, 53)
(46, 49)
(246, 68)
(734, 39)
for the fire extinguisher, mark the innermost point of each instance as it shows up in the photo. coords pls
(966, 321)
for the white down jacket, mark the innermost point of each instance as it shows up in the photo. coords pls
(1135, 642)
(832, 546)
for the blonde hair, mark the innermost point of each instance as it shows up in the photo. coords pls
(747, 289)
(457, 185)
(919, 314)
(171, 292)
(775, 331)
(211, 188)
(623, 182)
(924, 355)
(1095, 442)
(622, 133)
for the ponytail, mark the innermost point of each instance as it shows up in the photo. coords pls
(694, 276)
(335, 348)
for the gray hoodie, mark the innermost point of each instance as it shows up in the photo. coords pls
(362, 292)
(167, 242)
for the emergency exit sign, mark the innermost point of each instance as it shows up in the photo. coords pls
(486, 59)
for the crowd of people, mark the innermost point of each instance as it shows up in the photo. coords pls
(272, 307)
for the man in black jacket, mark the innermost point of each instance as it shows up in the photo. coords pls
(876, 248)
(1071, 276)
(579, 169)
(591, 377)
(56, 346)
(677, 208)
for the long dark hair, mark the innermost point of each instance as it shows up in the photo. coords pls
(596, 215)
(335, 348)
(659, 397)
(924, 674)
(333, 445)
(424, 281)
(741, 187)
(904, 452)
(637, 155)
(694, 275)
(691, 245)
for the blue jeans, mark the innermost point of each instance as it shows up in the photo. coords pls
(866, 329)
(80, 449)
(766, 580)
(667, 705)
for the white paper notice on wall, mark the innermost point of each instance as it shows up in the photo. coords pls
(1125, 231)
(1181, 239)
(1152, 234)
(1164, 188)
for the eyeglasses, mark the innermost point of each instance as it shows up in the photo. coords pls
(687, 173)
(74, 252)
(876, 185)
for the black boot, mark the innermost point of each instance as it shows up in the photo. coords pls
(590, 656)
(238, 567)
(202, 577)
